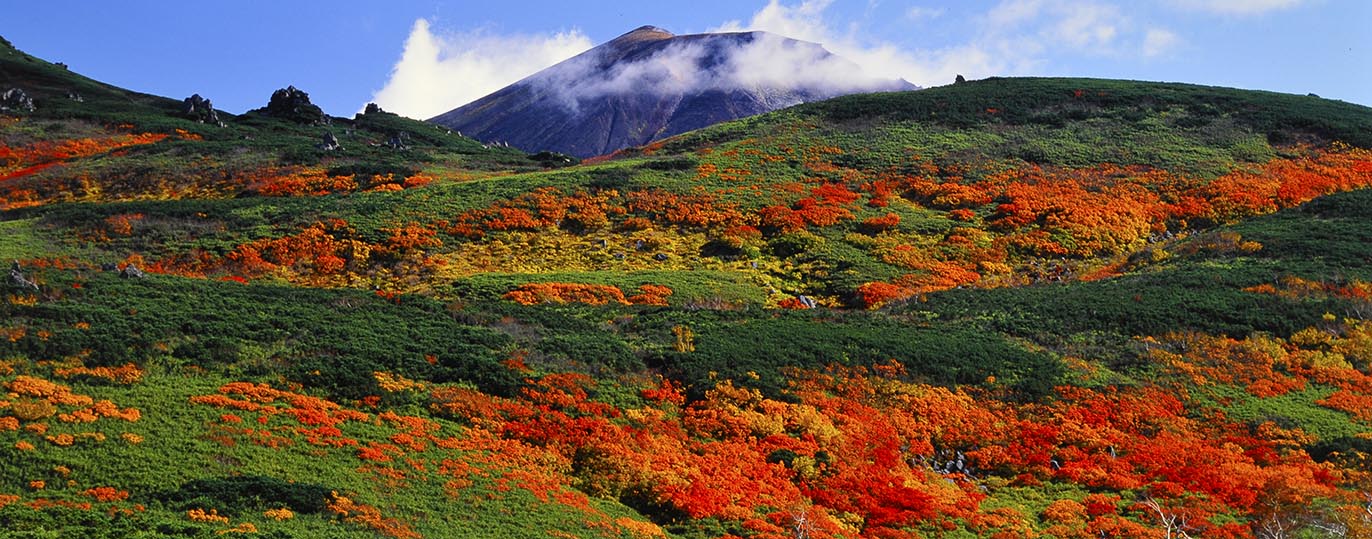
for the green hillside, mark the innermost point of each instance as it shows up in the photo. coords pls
(1002, 308)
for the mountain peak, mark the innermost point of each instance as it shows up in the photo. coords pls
(649, 29)
(650, 84)
(644, 33)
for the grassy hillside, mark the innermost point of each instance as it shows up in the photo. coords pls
(1005, 308)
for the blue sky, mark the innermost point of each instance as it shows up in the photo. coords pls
(421, 58)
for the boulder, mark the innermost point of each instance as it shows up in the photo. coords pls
(330, 142)
(807, 301)
(132, 272)
(18, 280)
(660, 257)
(16, 100)
(201, 110)
(291, 103)
(399, 141)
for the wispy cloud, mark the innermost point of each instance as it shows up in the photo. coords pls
(438, 72)
(1157, 42)
(919, 13)
(1235, 7)
(1014, 37)
(760, 62)
(806, 21)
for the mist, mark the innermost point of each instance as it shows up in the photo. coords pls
(758, 62)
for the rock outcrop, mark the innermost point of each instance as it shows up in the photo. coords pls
(330, 142)
(19, 280)
(201, 110)
(16, 100)
(132, 272)
(291, 103)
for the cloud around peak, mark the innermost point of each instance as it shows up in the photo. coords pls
(438, 71)
(768, 63)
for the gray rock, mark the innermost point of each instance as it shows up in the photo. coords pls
(201, 110)
(16, 100)
(399, 141)
(660, 257)
(807, 301)
(291, 103)
(132, 272)
(330, 142)
(18, 280)
(75, 97)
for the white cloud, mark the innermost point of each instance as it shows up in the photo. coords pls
(1158, 41)
(1088, 26)
(918, 13)
(437, 73)
(765, 61)
(1014, 37)
(805, 21)
(1235, 7)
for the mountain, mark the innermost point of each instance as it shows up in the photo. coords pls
(1048, 307)
(649, 84)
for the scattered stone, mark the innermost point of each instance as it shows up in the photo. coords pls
(19, 280)
(75, 97)
(660, 257)
(201, 110)
(553, 159)
(15, 100)
(330, 142)
(132, 272)
(619, 256)
(807, 301)
(291, 103)
(399, 141)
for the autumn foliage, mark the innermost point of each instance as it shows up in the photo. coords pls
(589, 294)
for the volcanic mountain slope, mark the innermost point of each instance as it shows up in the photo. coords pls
(649, 84)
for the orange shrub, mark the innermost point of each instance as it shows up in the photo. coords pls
(590, 294)
(876, 225)
(213, 516)
(876, 294)
(106, 494)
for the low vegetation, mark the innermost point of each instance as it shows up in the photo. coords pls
(1006, 308)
